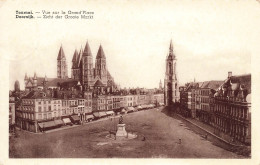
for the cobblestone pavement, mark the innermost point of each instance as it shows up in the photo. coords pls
(165, 137)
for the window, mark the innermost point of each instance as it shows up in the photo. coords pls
(49, 115)
(39, 116)
(39, 109)
(49, 108)
(44, 109)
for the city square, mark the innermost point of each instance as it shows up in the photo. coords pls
(161, 132)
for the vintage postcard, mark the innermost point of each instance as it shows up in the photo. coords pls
(168, 81)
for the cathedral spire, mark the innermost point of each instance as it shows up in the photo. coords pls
(75, 55)
(87, 51)
(100, 53)
(74, 59)
(61, 54)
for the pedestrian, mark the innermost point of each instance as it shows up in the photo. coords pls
(144, 138)
(179, 141)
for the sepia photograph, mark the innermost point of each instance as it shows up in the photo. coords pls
(130, 79)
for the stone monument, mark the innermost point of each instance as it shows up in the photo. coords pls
(121, 132)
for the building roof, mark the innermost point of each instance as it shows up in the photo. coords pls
(36, 95)
(87, 51)
(243, 81)
(100, 53)
(61, 54)
(212, 84)
(69, 84)
(52, 81)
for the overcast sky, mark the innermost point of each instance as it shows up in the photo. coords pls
(209, 38)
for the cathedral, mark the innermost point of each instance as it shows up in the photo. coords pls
(171, 84)
(83, 73)
(83, 68)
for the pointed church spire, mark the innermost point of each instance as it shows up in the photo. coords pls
(75, 56)
(100, 53)
(61, 54)
(87, 51)
(171, 46)
(74, 59)
(26, 77)
(34, 77)
(79, 57)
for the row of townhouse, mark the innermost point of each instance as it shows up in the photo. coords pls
(194, 99)
(115, 102)
(224, 105)
(39, 107)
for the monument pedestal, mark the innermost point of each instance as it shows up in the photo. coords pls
(121, 132)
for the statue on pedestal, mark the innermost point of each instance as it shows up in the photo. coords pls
(121, 132)
(121, 120)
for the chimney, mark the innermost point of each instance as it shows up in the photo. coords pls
(229, 74)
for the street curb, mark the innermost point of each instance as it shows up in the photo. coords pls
(210, 132)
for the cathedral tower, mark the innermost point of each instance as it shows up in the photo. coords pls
(87, 68)
(171, 84)
(62, 70)
(100, 66)
(75, 68)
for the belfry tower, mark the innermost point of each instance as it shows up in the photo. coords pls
(171, 84)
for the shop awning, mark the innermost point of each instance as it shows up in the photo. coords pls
(131, 108)
(66, 120)
(110, 112)
(139, 107)
(75, 118)
(96, 114)
(102, 114)
(47, 124)
(58, 122)
(144, 106)
(89, 117)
